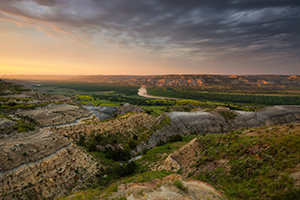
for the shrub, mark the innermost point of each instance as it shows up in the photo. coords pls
(179, 185)
(117, 154)
(81, 140)
(227, 115)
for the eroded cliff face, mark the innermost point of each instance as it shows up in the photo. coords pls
(53, 114)
(154, 129)
(41, 165)
(125, 126)
(35, 162)
(203, 122)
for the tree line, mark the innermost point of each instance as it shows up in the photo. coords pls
(179, 92)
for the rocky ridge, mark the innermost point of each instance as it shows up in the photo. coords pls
(37, 163)
(127, 125)
(41, 165)
(55, 114)
(203, 122)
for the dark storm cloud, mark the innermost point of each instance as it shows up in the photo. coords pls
(205, 28)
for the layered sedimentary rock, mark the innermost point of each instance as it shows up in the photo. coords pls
(126, 108)
(41, 165)
(103, 112)
(35, 162)
(55, 114)
(126, 125)
(202, 122)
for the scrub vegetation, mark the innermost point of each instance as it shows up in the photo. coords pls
(259, 162)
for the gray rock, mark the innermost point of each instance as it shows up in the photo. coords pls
(103, 112)
(201, 122)
(126, 108)
(4, 123)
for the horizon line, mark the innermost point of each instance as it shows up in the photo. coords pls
(146, 74)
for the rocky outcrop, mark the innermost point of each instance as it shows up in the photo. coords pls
(35, 162)
(199, 122)
(170, 164)
(202, 122)
(128, 108)
(5, 123)
(184, 157)
(168, 189)
(41, 165)
(103, 112)
(245, 119)
(126, 125)
(55, 114)
(281, 114)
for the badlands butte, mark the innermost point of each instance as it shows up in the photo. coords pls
(56, 146)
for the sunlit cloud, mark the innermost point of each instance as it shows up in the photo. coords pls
(206, 32)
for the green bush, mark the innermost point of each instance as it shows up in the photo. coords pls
(227, 115)
(179, 185)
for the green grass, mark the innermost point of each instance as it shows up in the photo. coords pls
(227, 114)
(116, 95)
(160, 152)
(141, 174)
(157, 109)
(81, 88)
(103, 193)
(251, 174)
(146, 176)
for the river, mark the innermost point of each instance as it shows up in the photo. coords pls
(143, 92)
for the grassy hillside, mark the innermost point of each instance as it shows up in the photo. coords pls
(253, 164)
(260, 163)
(109, 178)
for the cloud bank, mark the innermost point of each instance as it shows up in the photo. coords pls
(256, 30)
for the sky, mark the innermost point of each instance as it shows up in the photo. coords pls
(149, 37)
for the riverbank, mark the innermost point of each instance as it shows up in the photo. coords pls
(143, 93)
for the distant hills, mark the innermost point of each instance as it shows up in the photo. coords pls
(79, 78)
(193, 80)
(199, 80)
